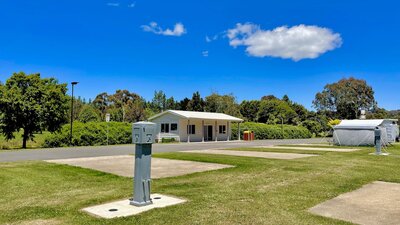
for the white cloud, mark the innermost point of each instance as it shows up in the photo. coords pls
(296, 43)
(205, 53)
(114, 4)
(153, 27)
(132, 5)
(211, 38)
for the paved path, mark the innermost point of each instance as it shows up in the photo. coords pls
(79, 152)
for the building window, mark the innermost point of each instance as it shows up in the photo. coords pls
(222, 129)
(174, 126)
(165, 128)
(191, 129)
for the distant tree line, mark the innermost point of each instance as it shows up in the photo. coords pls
(34, 104)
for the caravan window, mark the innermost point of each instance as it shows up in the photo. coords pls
(174, 126)
(165, 128)
(222, 129)
(191, 129)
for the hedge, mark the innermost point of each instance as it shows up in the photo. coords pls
(91, 133)
(266, 131)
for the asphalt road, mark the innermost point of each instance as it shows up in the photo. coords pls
(92, 151)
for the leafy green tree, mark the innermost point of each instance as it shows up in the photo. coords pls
(301, 111)
(269, 97)
(378, 113)
(313, 126)
(222, 104)
(136, 111)
(275, 111)
(171, 103)
(159, 101)
(249, 109)
(120, 102)
(33, 104)
(345, 98)
(285, 98)
(196, 103)
(101, 102)
(183, 104)
(89, 114)
(78, 105)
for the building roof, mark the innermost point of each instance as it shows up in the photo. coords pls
(199, 115)
(362, 124)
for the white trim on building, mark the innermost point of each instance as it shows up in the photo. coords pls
(194, 126)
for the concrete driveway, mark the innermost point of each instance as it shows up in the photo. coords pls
(91, 151)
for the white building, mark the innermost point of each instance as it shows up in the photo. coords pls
(362, 132)
(190, 126)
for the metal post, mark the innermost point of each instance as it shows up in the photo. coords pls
(216, 131)
(228, 131)
(72, 111)
(238, 131)
(143, 137)
(188, 131)
(107, 120)
(378, 144)
(142, 174)
(202, 130)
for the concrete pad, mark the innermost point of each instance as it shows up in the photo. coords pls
(123, 165)
(122, 208)
(268, 155)
(312, 148)
(373, 204)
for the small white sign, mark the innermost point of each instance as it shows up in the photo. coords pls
(108, 117)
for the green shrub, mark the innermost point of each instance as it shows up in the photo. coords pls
(91, 133)
(265, 131)
(167, 140)
(313, 126)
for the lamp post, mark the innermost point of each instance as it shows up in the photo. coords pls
(72, 111)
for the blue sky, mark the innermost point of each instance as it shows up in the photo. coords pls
(148, 45)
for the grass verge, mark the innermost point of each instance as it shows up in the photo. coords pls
(256, 191)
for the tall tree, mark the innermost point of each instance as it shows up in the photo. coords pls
(222, 104)
(345, 98)
(101, 102)
(120, 101)
(183, 104)
(249, 109)
(171, 103)
(275, 111)
(32, 104)
(159, 101)
(89, 114)
(196, 103)
(136, 110)
(269, 97)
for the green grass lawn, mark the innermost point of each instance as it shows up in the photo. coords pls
(256, 191)
(16, 143)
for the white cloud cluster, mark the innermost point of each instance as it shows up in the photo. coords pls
(114, 4)
(205, 53)
(117, 4)
(296, 43)
(153, 27)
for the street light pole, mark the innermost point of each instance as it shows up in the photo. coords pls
(72, 111)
